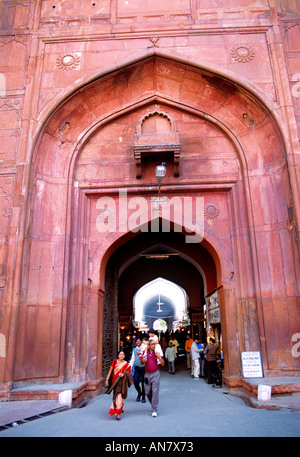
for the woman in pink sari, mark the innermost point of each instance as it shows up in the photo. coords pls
(121, 380)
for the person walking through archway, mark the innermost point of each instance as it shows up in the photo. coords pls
(152, 361)
(170, 356)
(175, 344)
(139, 371)
(120, 371)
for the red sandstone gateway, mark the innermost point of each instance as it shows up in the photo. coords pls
(96, 95)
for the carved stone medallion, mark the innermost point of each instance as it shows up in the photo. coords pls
(211, 210)
(242, 53)
(67, 62)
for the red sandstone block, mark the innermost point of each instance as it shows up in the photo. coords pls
(156, 6)
(74, 8)
(169, 87)
(292, 39)
(9, 119)
(258, 210)
(8, 143)
(268, 141)
(276, 263)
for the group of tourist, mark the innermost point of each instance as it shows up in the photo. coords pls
(143, 369)
(202, 358)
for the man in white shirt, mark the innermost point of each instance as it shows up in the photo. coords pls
(195, 359)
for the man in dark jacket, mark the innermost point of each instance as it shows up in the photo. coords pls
(211, 352)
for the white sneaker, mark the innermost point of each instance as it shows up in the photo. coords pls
(154, 414)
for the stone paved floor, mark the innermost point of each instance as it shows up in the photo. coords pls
(188, 408)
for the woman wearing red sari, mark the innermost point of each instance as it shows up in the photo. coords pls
(121, 380)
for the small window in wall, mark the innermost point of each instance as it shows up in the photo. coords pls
(156, 123)
(156, 140)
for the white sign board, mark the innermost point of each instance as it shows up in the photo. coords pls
(251, 363)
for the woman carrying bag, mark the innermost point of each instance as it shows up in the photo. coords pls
(120, 374)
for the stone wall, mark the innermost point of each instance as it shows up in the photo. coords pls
(67, 66)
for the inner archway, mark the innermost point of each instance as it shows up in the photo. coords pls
(187, 269)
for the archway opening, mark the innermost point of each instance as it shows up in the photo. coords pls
(141, 290)
(161, 305)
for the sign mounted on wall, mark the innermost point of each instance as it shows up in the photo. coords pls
(213, 309)
(251, 363)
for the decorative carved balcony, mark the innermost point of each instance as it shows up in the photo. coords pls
(156, 146)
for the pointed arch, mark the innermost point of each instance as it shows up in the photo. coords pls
(58, 206)
(211, 244)
(66, 93)
(164, 290)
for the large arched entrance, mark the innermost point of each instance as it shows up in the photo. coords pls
(92, 180)
(135, 264)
